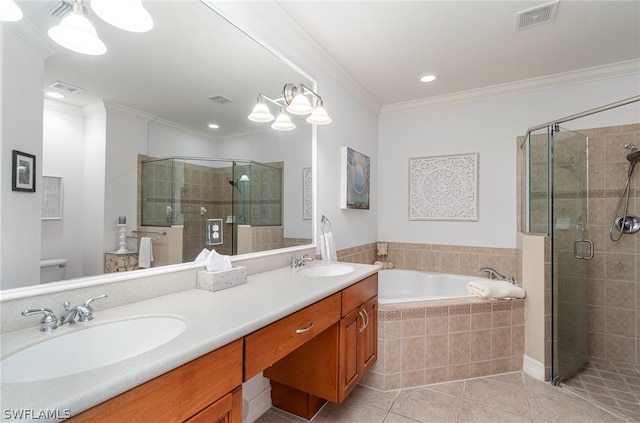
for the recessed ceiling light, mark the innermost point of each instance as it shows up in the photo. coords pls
(54, 94)
(428, 77)
(214, 126)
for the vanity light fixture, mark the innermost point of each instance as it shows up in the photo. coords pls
(128, 15)
(9, 11)
(297, 100)
(76, 33)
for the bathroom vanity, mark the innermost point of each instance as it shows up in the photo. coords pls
(314, 336)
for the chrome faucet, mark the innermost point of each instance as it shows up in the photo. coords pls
(48, 322)
(494, 274)
(299, 261)
(84, 312)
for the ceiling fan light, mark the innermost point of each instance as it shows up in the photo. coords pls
(319, 116)
(76, 33)
(283, 123)
(261, 113)
(9, 11)
(128, 15)
(300, 105)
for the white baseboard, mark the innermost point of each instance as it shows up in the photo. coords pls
(259, 405)
(533, 368)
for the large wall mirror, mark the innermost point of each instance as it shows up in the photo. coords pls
(132, 138)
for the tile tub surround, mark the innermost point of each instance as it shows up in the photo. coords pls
(439, 341)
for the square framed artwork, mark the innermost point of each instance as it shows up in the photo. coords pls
(444, 187)
(355, 179)
(23, 172)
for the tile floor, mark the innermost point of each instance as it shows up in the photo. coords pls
(510, 397)
(614, 387)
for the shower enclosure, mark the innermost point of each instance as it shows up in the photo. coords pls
(207, 195)
(555, 203)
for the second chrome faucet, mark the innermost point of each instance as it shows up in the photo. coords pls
(83, 312)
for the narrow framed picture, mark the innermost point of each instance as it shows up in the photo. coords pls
(355, 179)
(23, 176)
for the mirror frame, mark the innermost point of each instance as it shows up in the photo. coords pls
(107, 278)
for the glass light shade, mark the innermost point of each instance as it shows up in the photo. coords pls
(129, 15)
(319, 116)
(9, 11)
(261, 113)
(283, 123)
(76, 33)
(300, 105)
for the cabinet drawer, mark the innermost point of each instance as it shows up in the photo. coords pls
(176, 395)
(359, 293)
(271, 343)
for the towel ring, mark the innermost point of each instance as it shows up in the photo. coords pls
(323, 221)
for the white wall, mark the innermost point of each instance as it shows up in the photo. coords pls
(63, 146)
(354, 124)
(22, 73)
(490, 127)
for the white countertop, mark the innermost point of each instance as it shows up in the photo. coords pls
(214, 319)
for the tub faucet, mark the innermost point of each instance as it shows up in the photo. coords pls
(84, 312)
(299, 261)
(494, 274)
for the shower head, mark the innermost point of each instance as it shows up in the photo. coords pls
(632, 147)
(634, 156)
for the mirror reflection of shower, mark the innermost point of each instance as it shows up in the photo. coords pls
(625, 223)
(243, 199)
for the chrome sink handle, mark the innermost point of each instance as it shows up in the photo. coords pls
(48, 322)
(85, 312)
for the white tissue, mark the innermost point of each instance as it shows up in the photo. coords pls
(217, 261)
(203, 255)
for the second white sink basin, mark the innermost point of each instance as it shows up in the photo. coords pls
(90, 348)
(326, 270)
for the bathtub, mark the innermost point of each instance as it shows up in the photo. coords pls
(397, 286)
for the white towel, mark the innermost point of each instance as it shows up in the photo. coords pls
(328, 250)
(145, 255)
(487, 288)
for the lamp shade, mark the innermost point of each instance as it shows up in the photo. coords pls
(76, 33)
(283, 123)
(129, 15)
(300, 105)
(319, 116)
(261, 113)
(9, 11)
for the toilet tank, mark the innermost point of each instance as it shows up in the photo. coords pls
(52, 270)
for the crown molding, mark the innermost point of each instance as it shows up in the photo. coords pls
(534, 84)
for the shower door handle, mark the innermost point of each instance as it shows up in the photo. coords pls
(576, 249)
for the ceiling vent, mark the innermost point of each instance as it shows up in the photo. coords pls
(67, 88)
(219, 98)
(536, 15)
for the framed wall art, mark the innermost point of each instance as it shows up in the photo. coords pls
(52, 197)
(444, 187)
(355, 180)
(23, 172)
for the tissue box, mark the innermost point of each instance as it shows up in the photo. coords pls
(221, 279)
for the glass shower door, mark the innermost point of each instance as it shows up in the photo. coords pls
(571, 248)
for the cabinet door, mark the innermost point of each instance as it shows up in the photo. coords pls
(350, 369)
(369, 335)
(227, 409)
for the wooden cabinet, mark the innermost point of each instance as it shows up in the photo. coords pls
(331, 364)
(207, 389)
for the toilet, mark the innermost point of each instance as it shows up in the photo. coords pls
(52, 270)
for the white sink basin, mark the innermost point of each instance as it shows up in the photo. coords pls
(326, 270)
(89, 348)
